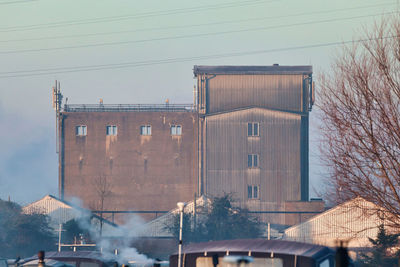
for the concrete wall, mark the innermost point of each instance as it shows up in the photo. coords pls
(151, 172)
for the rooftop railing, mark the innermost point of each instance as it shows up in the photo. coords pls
(128, 107)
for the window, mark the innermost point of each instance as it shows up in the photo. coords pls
(111, 130)
(80, 130)
(176, 130)
(252, 160)
(252, 129)
(253, 191)
(145, 130)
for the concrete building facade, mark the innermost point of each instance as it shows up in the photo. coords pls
(125, 158)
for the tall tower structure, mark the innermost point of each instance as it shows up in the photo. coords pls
(254, 133)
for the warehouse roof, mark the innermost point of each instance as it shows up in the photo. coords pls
(274, 69)
(61, 211)
(257, 246)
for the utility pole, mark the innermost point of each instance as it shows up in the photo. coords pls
(181, 206)
(59, 237)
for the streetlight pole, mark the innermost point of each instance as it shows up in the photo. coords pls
(181, 206)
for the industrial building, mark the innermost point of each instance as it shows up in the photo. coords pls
(128, 157)
(61, 211)
(246, 133)
(353, 223)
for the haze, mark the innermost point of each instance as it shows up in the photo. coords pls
(43, 40)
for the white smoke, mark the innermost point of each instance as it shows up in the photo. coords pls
(113, 239)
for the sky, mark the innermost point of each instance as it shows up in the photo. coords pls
(131, 51)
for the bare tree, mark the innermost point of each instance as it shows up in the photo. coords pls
(360, 103)
(103, 189)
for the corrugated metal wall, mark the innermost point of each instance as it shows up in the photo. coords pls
(278, 147)
(355, 221)
(58, 211)
(227, 92)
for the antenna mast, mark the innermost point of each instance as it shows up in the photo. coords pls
(57, 101)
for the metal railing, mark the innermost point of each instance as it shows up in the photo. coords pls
(128, 107)
(114, 212)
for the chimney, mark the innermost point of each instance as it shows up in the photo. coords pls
(41, 259)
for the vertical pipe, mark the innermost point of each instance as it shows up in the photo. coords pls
(201, 155)
(194, 213)
(59, 237)
(304, 160)
(61, 158)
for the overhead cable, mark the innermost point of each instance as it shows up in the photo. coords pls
(185, 36)
(48, 71)
(134, 16)
(16, 2)
(193, 25)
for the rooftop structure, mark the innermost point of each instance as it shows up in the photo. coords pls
(249, 70)
(128, 108)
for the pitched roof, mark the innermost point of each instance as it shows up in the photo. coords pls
(353, 221)
(157, 227)
(356, 202)
(60, 211)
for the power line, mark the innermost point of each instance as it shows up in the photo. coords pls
(185, 36)
(135, 16)
(194, 25)
(48, 71)
(16, 2)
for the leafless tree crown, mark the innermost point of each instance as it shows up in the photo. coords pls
(360, 101)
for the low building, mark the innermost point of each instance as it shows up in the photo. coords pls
(352, 223)
(60, 212)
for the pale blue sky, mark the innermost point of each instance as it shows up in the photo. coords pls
(184, 29)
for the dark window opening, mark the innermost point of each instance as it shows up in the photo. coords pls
(252, 160)
(176, 130)
(81, 130)
(253, 191)
(111, 130)
(145, 130)
(253, 129)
